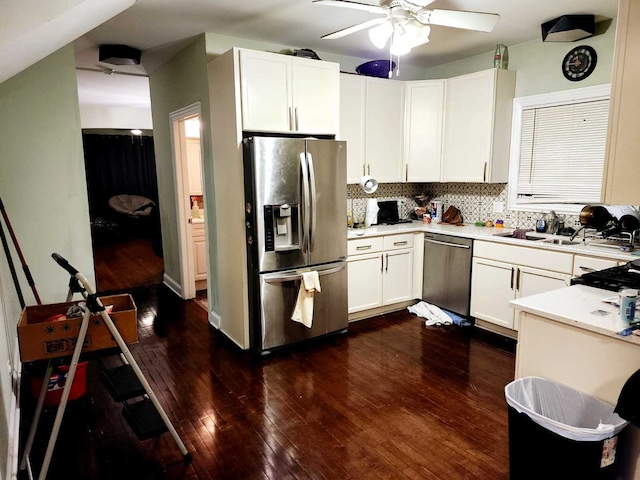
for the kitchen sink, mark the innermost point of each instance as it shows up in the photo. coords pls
(560, 241)
(510, 235)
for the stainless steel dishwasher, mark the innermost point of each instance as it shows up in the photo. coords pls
(446, 277)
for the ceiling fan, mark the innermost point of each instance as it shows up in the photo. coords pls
(406, 22)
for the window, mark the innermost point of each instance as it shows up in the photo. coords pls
(558, 148)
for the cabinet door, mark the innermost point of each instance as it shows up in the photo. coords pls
(423, 130)
(316, 96)
(365, 281)
(352, 97)
(200, 250)
(398, 276)
(194, 166)
(384, 126)
(468, 130)
(532, 281)
(492, 288)
(265, 83)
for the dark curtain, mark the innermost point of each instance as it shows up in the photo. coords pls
(118, 164)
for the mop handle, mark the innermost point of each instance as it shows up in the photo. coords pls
(64, 264)
(25, 268)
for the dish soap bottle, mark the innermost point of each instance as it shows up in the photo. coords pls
(195, 209)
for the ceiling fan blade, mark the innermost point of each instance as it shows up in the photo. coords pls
(353, 29)
(481, 22)
(350, 4)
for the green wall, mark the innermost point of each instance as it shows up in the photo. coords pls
(178, 83)
(43, 187)
(538, 64)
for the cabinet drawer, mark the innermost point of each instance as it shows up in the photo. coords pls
(582, 265)
(396, 242)
(364, 245)
(528, 257)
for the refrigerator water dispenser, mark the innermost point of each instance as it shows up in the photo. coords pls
(281, 228)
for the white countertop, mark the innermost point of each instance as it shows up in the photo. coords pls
(197, 220)
(487, 234)
(575, 306)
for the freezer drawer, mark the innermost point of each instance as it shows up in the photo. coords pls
(278, 295)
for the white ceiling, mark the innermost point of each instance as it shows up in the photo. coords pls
(156, 25)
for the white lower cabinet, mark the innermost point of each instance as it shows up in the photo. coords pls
(380, 271)
(200, 252)
(365, 281)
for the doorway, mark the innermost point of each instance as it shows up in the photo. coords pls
(191, 214)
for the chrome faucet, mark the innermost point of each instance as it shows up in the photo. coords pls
(555, 222)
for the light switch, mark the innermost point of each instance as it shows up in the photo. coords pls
(498, 207)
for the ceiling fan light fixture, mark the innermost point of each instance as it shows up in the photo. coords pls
(400, 43)
(418, 33)
(379, 35)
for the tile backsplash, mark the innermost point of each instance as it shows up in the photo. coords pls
(475, 201)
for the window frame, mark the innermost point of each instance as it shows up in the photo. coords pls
(552, 99)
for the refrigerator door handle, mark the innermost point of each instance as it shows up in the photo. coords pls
(305, 196)
(314, 200)
(297, 275)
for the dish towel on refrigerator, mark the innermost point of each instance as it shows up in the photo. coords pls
(303, 311)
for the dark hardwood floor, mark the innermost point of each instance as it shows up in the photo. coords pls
(390, 399)
(127, 264)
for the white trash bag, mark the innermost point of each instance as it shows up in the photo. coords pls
(563, 410)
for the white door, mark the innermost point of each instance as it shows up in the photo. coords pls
(423, 130)
(352, 97)
(194, 166)
(532, 281)
(398, 276)
(365, 281)
(265, 83)
(492, 288)
(468, 130)
(384, 127)
(316, 96)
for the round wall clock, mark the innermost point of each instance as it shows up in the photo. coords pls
(579, 63)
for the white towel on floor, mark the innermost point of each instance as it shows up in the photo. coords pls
(303, 311)
(432, 313)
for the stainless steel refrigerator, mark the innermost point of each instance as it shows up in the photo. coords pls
(295, 194)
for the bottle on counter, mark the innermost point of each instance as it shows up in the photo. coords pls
(195, 208)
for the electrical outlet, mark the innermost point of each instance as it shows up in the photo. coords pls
(498, 207)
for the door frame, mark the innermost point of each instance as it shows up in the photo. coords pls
(181, 184)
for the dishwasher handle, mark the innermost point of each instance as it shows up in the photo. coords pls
(456, 245)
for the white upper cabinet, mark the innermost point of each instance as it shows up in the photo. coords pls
(384, 129)
(423, 130)
(352, 103)
(477, 127)
(287, 94)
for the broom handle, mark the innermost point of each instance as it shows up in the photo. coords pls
(25, 267)
(12, 267)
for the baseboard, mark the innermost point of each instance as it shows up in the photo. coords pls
(172, 285)
(233, 340)
(374, 312)
(493, 328)
(13, 443)
(214, 319)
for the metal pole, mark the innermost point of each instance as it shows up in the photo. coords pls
(36, 416)
(12, 268)
(65, 395)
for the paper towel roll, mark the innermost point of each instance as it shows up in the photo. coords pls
(371, 216)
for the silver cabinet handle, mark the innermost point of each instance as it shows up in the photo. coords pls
(446, 243)
(587, 269)
(397, 244)
(518, 280)
(364, 169)
(484, 174)
(296, 117)
(368, 169)
(512, 272)
(406, 172)
(382, 263)
(387, 268)
(290, 120)
(364, 247)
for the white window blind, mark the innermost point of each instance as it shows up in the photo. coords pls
(562, 153)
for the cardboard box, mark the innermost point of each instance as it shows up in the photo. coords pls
(41, 340)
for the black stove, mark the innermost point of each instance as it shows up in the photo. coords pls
(613, 278)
